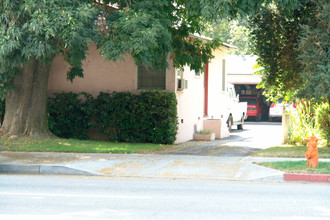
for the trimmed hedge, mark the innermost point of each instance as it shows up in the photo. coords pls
(69, 114)
(149, 117)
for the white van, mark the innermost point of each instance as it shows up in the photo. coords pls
(234, 111)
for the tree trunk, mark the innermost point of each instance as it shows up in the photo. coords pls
(25, 113)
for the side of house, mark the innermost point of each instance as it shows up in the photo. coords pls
(198, 94)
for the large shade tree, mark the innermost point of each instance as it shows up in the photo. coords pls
(313, 49)
(294, 50)
(33, 32)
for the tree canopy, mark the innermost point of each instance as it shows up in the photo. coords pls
(235, 32)
(313, 54)
(293, 49)
(40, 30)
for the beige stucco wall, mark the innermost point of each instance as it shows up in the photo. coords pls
(100, 75)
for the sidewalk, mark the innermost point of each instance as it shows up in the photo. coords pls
(143, 166)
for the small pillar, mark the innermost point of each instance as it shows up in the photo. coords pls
(217, 126)
(286, 119)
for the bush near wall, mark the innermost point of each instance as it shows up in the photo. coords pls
(150, 116)
(322, 115)
(147, 117)
(69, 114)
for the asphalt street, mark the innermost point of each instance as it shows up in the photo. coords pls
(59, 197)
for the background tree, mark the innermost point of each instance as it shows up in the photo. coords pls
(235, 32)
(275, 37)
(313, 49)
(293, 49)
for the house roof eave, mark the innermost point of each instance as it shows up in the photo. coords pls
(202, 37)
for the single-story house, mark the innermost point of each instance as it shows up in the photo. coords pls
(197, 94)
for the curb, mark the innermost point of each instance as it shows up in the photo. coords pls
(325, 178)
(41, 170)
(63, 170)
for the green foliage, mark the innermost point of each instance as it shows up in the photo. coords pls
(234, 32)
(147, 117)
(293, 48)
(322, 115)
(26, 144)
(205, 132)
(314, 53)
(311, 119)
(150, 116)
(290, 151)
(275, 35)
(151, 30)
(297, 166)
(42, 29)
(69, 114)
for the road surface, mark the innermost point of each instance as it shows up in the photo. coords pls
(55, 197)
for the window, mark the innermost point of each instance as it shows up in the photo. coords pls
(149, 78)
(181, 82)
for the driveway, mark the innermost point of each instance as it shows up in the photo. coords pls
(241, 143)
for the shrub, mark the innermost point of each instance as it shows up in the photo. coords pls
(302, 123)
(205, 132)
(310, 119)
(322, 114)
(150, 116)
(69, 114)
(147, 117)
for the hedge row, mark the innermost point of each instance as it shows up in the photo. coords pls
(148, 117)
(69, 114)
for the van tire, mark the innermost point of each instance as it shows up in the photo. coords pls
(241, 126)
(230, 123)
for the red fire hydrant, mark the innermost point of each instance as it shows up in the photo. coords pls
(312, 154)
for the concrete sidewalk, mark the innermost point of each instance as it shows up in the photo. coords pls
(140, 165)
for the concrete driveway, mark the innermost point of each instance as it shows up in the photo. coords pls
(241, 143)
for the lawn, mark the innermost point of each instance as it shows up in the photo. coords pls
(75, 146)
(297, 167)
(290, 151)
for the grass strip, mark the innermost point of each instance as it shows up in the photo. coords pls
(297, 167)
(26, 144)
(290, 151)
